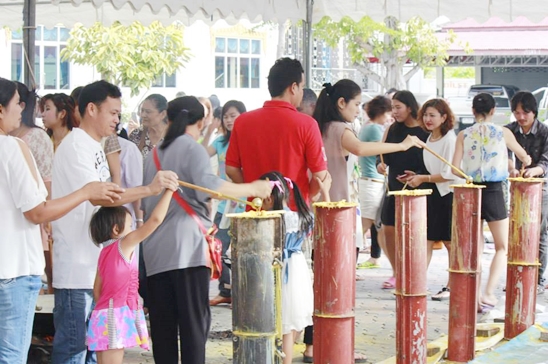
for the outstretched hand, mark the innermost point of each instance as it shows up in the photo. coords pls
(103, 191)
(261, 188)
(412, 141)
(164, 179)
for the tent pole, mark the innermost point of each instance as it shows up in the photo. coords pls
(307, 43)
(29, 39)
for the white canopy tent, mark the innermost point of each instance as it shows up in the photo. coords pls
(69, 12)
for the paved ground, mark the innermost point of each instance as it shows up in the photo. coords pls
(375, 314)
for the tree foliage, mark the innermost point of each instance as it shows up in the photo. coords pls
(133, 56)
(392, 43)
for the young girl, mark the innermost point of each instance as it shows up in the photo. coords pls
(437, 118)
(230, 111)
(482, 150)
(117, 321)
(297, 294)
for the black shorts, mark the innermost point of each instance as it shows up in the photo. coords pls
(493, 207)
(439, 212)
(388, 215)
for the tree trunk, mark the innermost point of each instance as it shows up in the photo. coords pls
(393, 64)
(280, 50)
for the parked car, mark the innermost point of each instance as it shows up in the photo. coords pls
(462, 107)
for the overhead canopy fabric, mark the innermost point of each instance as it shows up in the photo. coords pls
(69, 12)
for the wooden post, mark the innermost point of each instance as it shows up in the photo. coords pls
(257, 240)
(411, 259)
(334, 282)
(523, 255)
(463, 272)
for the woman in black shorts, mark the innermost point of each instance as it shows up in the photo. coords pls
(482, 149)
(404, 110)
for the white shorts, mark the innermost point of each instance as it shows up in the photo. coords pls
(371, 191)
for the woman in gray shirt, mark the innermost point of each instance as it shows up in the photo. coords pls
(175, 254)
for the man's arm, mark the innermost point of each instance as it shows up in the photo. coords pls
(314, 185)
(235, 174)
(162, 180)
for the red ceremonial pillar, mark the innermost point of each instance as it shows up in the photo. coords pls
(466, 235)
(523, 254)
(334, 282)
(411, 251)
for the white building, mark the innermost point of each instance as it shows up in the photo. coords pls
(229, 61)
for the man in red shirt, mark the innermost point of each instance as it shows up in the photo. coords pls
(277, 137)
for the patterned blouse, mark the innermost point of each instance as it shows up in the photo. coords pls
(485, 157)
(144, 146)
(41, 148)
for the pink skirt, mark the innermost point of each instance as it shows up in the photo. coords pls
(117, 328)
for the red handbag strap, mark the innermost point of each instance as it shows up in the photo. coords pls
(178, 197)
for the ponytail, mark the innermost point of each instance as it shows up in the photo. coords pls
(181, 112)
(326, 107)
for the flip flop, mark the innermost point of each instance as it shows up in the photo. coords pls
(390, 283)
(442, 295)
(368, 265)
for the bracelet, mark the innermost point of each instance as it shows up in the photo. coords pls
(139, 220)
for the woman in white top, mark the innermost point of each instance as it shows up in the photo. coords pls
(23, 206)
(438, 119)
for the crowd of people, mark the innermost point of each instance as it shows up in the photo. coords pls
(102, 214)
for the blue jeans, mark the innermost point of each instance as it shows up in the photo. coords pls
(70, 317)
(17, 304)
(224, 280)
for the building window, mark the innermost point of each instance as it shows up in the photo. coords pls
(237, 63)
(165, 80)
(49, 71)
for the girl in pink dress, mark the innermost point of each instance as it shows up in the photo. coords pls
(118, 321)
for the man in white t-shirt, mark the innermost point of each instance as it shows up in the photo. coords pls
(80, 159)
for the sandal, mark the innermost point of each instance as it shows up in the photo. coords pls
(442, 295)
(368, 265)
(390, 283)
(485, 307)
(360, 358)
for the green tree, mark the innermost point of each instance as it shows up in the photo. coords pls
(132, 56)
(392, 43)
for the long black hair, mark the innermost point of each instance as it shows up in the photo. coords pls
(408, 99)
(238, 105)
(181, 112)
(281, 195)
(7, 91)
(326, 107)
(29, 97)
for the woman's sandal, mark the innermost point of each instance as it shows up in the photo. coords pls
(390, 283)
(442, 295)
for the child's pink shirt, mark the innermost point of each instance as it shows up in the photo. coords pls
(119, 276)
